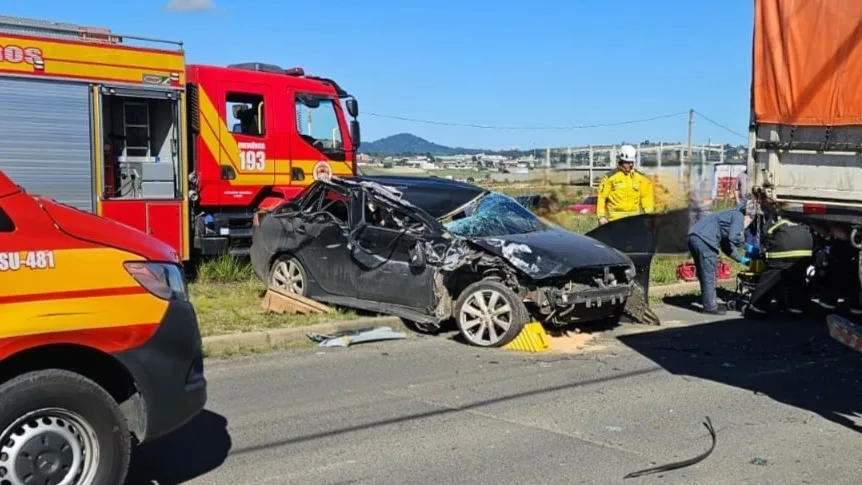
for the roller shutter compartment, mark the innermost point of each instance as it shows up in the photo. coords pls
(45, 142)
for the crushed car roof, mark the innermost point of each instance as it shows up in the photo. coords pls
(437, 196)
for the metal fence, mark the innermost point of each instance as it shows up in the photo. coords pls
(588, 164)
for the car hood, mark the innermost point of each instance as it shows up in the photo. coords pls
(551, 252)
(90, 227)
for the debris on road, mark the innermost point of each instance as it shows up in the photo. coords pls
(571, 342)
(680, 464)
(758, 461)
(278, 301)
(347, 338)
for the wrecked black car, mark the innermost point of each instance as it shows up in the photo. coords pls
(430, 250)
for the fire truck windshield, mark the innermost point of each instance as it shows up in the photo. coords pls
(317, 123)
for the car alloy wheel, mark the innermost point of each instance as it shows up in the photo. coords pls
(489, 314)
(288, 275)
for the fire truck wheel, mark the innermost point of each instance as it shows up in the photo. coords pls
(288, 274)
(60, 427)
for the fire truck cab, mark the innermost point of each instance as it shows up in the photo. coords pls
(259, 134)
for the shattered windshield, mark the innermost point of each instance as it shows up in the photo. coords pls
(494, 215)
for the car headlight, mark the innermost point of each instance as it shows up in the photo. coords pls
(163, 280)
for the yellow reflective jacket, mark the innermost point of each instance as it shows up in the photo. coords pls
(624, 195)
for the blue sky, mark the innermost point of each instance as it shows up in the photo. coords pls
(502, 63)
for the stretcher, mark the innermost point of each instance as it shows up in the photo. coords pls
(746, 282)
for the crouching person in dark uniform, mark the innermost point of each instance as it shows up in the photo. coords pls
(719, 231)
(787, 249)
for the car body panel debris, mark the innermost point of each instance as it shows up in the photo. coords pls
(845, 331)
(429, 250)
(347, 338)
(680, 464)
(641, 237)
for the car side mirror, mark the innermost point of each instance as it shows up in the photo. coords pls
(355, 135)
(417, 256)
(352, 107)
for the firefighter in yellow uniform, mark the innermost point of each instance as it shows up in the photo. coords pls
(624, 192)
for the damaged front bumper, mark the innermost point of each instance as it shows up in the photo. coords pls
(562, 306)
(589, 298)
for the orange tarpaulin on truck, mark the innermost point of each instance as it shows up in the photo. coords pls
(807, 62)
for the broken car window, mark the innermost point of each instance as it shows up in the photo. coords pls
(329, 201)
(387, 217)
(493, 215)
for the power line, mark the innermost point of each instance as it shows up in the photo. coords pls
(716, 123)
(528, 128)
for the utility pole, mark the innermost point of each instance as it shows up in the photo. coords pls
(690, 157)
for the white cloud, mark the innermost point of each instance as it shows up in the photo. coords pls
(190, 5)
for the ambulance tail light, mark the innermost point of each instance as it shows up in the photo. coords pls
(163, 280)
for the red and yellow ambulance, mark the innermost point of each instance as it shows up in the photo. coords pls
(98, 343)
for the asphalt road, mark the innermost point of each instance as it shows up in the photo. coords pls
(784, 399)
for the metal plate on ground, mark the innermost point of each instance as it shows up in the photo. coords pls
(845, 331)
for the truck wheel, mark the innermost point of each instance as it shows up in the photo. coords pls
(58, 427)
(489, 314)
(287, 274)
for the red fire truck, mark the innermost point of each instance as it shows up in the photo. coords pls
(184, 153)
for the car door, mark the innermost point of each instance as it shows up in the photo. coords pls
(382, 255)
(321, 232)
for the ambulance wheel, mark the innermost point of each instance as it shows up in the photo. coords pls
(59, 427)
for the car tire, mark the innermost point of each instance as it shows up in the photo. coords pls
(288, 274)
(80, 425)
(470, 303)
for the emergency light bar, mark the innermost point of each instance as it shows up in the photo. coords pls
(59, 29)
(294, 71)
(270, 68)
(67, 31)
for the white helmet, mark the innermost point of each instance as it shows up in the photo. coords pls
(627, 154)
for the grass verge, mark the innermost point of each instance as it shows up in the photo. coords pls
(227, 298)
(246, 350)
